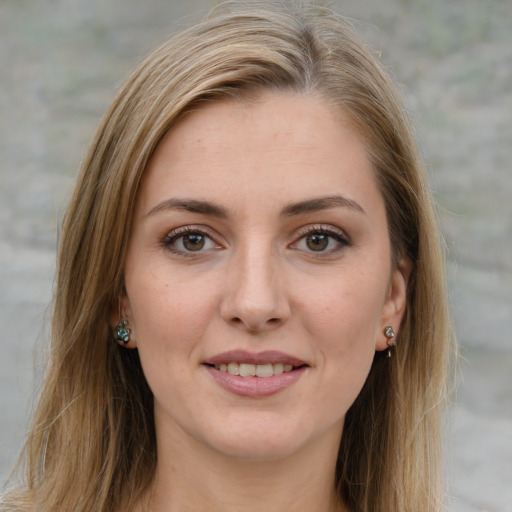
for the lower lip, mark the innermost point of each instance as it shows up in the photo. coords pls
(256, 387)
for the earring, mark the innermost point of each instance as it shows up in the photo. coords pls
(122, 332)
(390, 336)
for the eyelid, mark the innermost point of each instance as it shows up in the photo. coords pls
(176, 233)
(339, 235)
(327, 229)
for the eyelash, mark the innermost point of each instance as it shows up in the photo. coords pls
(337, 235)
(169, 241)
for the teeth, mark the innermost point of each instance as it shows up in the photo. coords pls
(252, 370)
(278, 368)
(247, 370)
(264, 370)
(233, 368)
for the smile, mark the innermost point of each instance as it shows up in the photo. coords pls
(255, 375)
(254, 370)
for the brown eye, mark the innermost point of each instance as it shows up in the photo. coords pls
(185, 241)
(317, 241)
(193, 242)
(321, 240)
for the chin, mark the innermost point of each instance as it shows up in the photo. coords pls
(259, 440)
(258, 450)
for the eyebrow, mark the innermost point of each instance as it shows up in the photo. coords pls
(321, 203)
(190, 205)
(302, 207)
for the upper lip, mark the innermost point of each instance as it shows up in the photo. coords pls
(245, 357)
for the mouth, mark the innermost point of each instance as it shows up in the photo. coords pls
(255, 374)
(255, 370)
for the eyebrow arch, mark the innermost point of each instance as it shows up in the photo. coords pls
(209, 208)
(321, 203)
(189, 205)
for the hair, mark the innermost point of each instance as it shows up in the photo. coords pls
(92, 444)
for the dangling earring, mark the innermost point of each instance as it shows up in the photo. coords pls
(122, 332)
(390, 338)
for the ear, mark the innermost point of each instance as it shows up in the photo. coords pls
(396, 301)
(123, 314)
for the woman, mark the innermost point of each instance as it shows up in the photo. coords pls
(253, 228)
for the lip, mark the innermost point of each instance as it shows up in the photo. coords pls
(243, 356)
(255, 387)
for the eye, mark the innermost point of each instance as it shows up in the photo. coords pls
(188, 240)
(321, 239)
(317, 241)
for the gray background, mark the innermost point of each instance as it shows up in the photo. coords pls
(60, 63)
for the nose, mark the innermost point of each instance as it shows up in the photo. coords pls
(255, 293)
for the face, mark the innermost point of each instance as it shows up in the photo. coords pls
(258, 276)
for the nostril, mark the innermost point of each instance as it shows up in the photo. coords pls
(254, 325)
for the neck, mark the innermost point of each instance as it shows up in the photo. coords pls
(198, 478)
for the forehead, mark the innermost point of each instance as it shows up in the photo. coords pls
(283, 145)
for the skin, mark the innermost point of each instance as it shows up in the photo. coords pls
(271, 270)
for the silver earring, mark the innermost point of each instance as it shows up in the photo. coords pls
(122, 332)
(390, 336)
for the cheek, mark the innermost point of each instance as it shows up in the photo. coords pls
(343, 320)
(345, 309)
(169, 320)
(167, 312)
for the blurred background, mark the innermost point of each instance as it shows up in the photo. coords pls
(61, 62)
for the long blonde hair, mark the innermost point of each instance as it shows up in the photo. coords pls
(92, 444)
